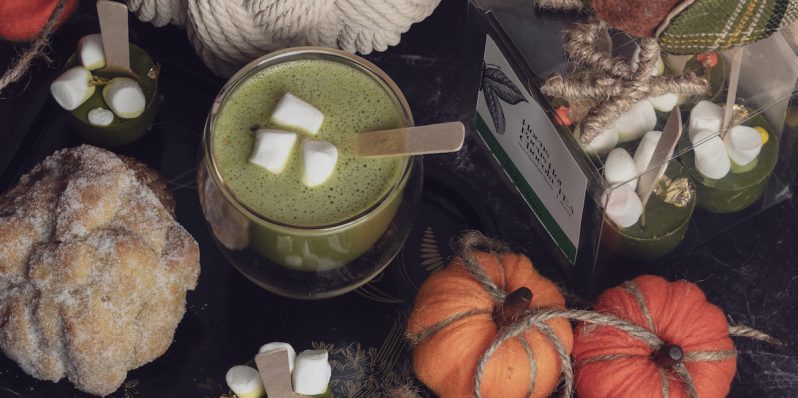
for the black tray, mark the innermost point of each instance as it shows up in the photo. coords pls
(228, 318)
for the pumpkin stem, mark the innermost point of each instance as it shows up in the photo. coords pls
(513, 307)
(668, 355)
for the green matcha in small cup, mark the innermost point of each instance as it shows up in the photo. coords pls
(108, 108)
(287, 201)
(732, 170)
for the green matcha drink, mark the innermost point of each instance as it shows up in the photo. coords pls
(325, 226)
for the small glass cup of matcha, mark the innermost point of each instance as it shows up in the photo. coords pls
(667, 216)
(742, 186)
(291, 239)
(117, 131)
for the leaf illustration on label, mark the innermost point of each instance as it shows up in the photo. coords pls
(494, 106)
(497, 88)
(505, 88)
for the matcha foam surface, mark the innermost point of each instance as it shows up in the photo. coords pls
(351, 101)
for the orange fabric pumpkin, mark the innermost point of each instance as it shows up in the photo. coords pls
(611, 363)
(22, 20)
(446, 360)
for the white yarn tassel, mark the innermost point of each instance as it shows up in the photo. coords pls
(228, 34)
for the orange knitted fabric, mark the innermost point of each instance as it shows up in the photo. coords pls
(446, 361)
(681, 315)
(22, 20)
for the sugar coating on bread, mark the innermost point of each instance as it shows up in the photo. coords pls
(93, 269)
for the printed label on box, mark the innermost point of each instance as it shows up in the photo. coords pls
(529, 148)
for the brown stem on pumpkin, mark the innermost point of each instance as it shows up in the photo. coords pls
(513, 307)
(668, 356)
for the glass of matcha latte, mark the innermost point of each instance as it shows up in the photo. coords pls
(287, 200)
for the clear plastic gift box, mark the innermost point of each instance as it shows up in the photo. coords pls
(514, 48)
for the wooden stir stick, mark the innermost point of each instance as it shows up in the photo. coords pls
(276, 374)
(731, 94)
(114, 31)
(420, 140)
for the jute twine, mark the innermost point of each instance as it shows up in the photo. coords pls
(536, 319)
(23, 63)
(561, 5)
(608, 86)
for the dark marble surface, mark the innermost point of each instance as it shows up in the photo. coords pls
(751, 271)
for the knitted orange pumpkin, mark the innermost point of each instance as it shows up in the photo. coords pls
(22, 20)
(611, 363)
(456, 318)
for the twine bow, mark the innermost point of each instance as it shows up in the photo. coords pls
(607, 87)
(537, 318)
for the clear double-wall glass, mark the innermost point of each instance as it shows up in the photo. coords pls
(304, 261)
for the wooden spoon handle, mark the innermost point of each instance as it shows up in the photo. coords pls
(421, 140)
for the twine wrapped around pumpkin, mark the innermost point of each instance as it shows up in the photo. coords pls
(608, 86)
(228, 34)
(530, 319)
(23, 62)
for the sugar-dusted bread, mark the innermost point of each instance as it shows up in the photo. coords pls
(93, 269)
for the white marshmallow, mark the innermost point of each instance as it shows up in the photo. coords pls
(622, 206)
(91, 52)
(245, 382)
(602, 143)
(291, 111)
(666, 102)
(711, 159)
(101, 117)
(312, 373)
(645, 150)
(743, 144)
(318, 160)
(272, 149)
(72, 88)
(125, 97)
(278, 345)
(619, 168)
(635, 122)
(705, 116)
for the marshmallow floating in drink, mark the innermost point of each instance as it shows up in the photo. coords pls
(272, 149)
(72, 88)
(279, 345)
(292, 112)
(636, 121)
(645, 150)
(91, 52)
(620, 168)
(312, 372)
(245, 382)
(318, 162)
(623, 206)
(705, 116)
(601, 144)
(711, 159)
(743, 145)
(666, 102)
(100, 117)
(125, 97)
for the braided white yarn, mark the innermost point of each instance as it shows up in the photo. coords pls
(229, 33)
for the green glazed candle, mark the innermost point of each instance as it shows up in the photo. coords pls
(323, 227)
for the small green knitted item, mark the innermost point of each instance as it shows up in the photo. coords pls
(712, 25)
